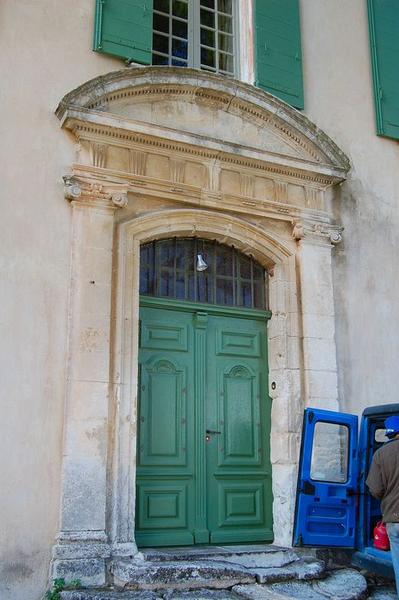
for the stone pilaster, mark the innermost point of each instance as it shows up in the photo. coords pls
(82, 546)
(315, 243)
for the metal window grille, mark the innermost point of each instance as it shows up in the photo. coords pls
(196, 33)
(168, 270)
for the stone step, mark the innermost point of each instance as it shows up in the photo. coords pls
(213, 573)
(260, 555)
(203, 572)
(344, 584)
(200, 594)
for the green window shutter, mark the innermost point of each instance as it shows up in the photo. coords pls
(124, 28)
(278, 59)
(384, 42)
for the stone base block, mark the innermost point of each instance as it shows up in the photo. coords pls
(90, 571)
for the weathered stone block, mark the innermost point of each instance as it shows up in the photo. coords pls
(90, 571)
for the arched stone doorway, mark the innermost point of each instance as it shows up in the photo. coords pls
(248, 171)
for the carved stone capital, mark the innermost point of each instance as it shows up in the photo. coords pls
(317, 233)
(72, 189)
(336, 236)
(120, 199)
(89, 192)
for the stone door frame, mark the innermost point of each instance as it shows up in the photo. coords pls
(113, 212)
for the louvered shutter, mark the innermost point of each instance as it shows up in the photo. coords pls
(278, 57)
(124, 28)
(384, 42)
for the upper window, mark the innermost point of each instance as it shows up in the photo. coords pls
(195, 33)
(204, 34)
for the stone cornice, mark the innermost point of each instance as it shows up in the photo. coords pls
(230, 95)
(97, 127)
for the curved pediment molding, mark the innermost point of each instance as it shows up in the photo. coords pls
(210, 109)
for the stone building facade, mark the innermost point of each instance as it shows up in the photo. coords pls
(102, 158)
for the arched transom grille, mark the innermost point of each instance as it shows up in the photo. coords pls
(172, 269)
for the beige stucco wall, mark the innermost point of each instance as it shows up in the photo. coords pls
(339, 98)
(45, 51)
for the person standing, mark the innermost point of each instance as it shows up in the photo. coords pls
(383, 483)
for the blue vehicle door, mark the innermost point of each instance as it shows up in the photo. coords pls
(326, 500)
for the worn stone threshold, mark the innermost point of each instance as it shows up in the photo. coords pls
(251, 572)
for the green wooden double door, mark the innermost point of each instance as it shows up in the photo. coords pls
(203, 466)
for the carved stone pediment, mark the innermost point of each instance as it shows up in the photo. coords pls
(203, 139)
(208, 106)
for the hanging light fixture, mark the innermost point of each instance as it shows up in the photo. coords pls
(201, 264)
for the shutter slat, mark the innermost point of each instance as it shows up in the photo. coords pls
(384, 43)
(124, 28)
(278, 57)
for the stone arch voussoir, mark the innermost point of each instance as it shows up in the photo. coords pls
(250, 239)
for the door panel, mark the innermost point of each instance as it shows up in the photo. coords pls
(165, 471)
(238, 406)
(163, 413)
(327, 481)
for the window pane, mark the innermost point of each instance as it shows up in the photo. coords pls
(258, 271)
(162, 5)
(226, 43)
(225, 23)
(246, 294)
(204, 287)
(180, 9)
(179, 28)
(157, 59)
(224, 291)
(207, 57)
(245, 266)
(191, 288)
(180, 286)
(207, 18)
(207, 37)
(166, 287)
(161, 23)
(259, 295)
(208, 3)
(224, 262)
(330, 452)
(160, 43)
(165, 254)
(179, 49)
(226, 62)
(225, 6)
(182, 246)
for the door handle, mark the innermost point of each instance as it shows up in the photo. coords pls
(212, 431)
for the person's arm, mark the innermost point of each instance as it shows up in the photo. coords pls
(374, 479)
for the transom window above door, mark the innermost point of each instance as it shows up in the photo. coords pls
(200, 270)
(195, 33)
